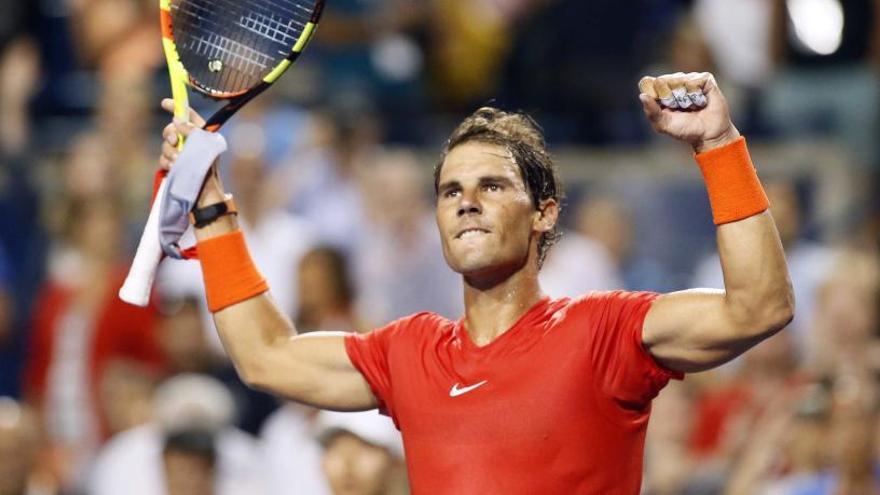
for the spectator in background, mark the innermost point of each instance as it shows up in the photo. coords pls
(289, 435)
(827, 56)
(19, 448)
(323, 181)
(400, 263)
(844, 329)
(570, 58)
(738, 37)
(21, 237)
(808, 261)
(669, 463)
(469, 43)
(185, 348)
(728, 407)
(825, 439)
(79, 326)
(123, 117)
(363, 454)
(126, 394)
(291, 451)
(150, 460)
(370, 50)
(610, 222)
(116, 37)
(329, 302)
(189, 459)
(578, 264)
(19, 75)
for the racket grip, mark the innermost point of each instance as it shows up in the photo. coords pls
(139, 283)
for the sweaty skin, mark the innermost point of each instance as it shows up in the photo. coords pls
(481, 191)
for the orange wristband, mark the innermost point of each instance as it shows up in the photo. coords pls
(229, 273)
(734, 190)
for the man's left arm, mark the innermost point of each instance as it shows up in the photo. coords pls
(695, 330)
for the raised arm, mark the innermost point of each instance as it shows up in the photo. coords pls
(699, 329)
(262, 342)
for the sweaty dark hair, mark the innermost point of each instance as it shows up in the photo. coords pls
(524, 138)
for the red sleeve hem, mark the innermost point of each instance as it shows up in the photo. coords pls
(658, 369)
(354, 355)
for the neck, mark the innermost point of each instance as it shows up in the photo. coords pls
(492, 308)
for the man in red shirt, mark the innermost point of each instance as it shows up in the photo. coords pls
(524, 394)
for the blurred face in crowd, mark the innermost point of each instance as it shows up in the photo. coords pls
(396, 191)
(786, 210)
(97, 231)
(355, 467)
(188, 473)
(852, 444)
(807, 444)
(488, 223)
(319, 271)
(125, 393)
(774, 357)
(182, 339)
(605, 220)
(18, 439)
(848, 313)
(248, 175)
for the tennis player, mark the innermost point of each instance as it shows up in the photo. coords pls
(524, 394)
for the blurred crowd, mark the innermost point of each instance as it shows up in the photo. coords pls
(331, 172)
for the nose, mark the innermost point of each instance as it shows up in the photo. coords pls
(469, 205)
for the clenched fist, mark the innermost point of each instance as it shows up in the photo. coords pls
(688, 107)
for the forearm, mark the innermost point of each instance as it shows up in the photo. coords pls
(251, 328)
(756, 283)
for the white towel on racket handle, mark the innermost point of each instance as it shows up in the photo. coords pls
(184, 185)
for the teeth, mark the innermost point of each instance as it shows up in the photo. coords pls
(471, 233)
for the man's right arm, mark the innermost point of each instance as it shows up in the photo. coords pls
(312, 368)
(262, 342)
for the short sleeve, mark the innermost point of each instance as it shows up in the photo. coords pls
(369, 353)
(625, 369)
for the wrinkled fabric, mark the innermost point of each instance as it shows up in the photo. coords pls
(184, 184)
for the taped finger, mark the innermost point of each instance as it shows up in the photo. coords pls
(699, 99)
(695, 94)
(681, 97)
(646, 86)
(667, 99)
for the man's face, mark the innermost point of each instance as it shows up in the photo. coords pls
(485, 214)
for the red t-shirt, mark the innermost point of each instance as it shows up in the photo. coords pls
(558, 404)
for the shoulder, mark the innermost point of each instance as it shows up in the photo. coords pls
(416, 324)
(602, 299)
(401, 333)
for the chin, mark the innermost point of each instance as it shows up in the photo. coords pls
(487, 268)
(470, 266)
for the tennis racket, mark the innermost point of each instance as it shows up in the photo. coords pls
(230, 50)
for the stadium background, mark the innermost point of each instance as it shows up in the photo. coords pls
(331, 170)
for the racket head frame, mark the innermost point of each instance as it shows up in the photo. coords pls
(181, 78)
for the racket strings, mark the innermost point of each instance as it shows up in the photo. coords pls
(228, 46)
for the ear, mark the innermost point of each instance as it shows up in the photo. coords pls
(546, 216)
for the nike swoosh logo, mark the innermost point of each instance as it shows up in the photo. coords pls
(455, 391)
